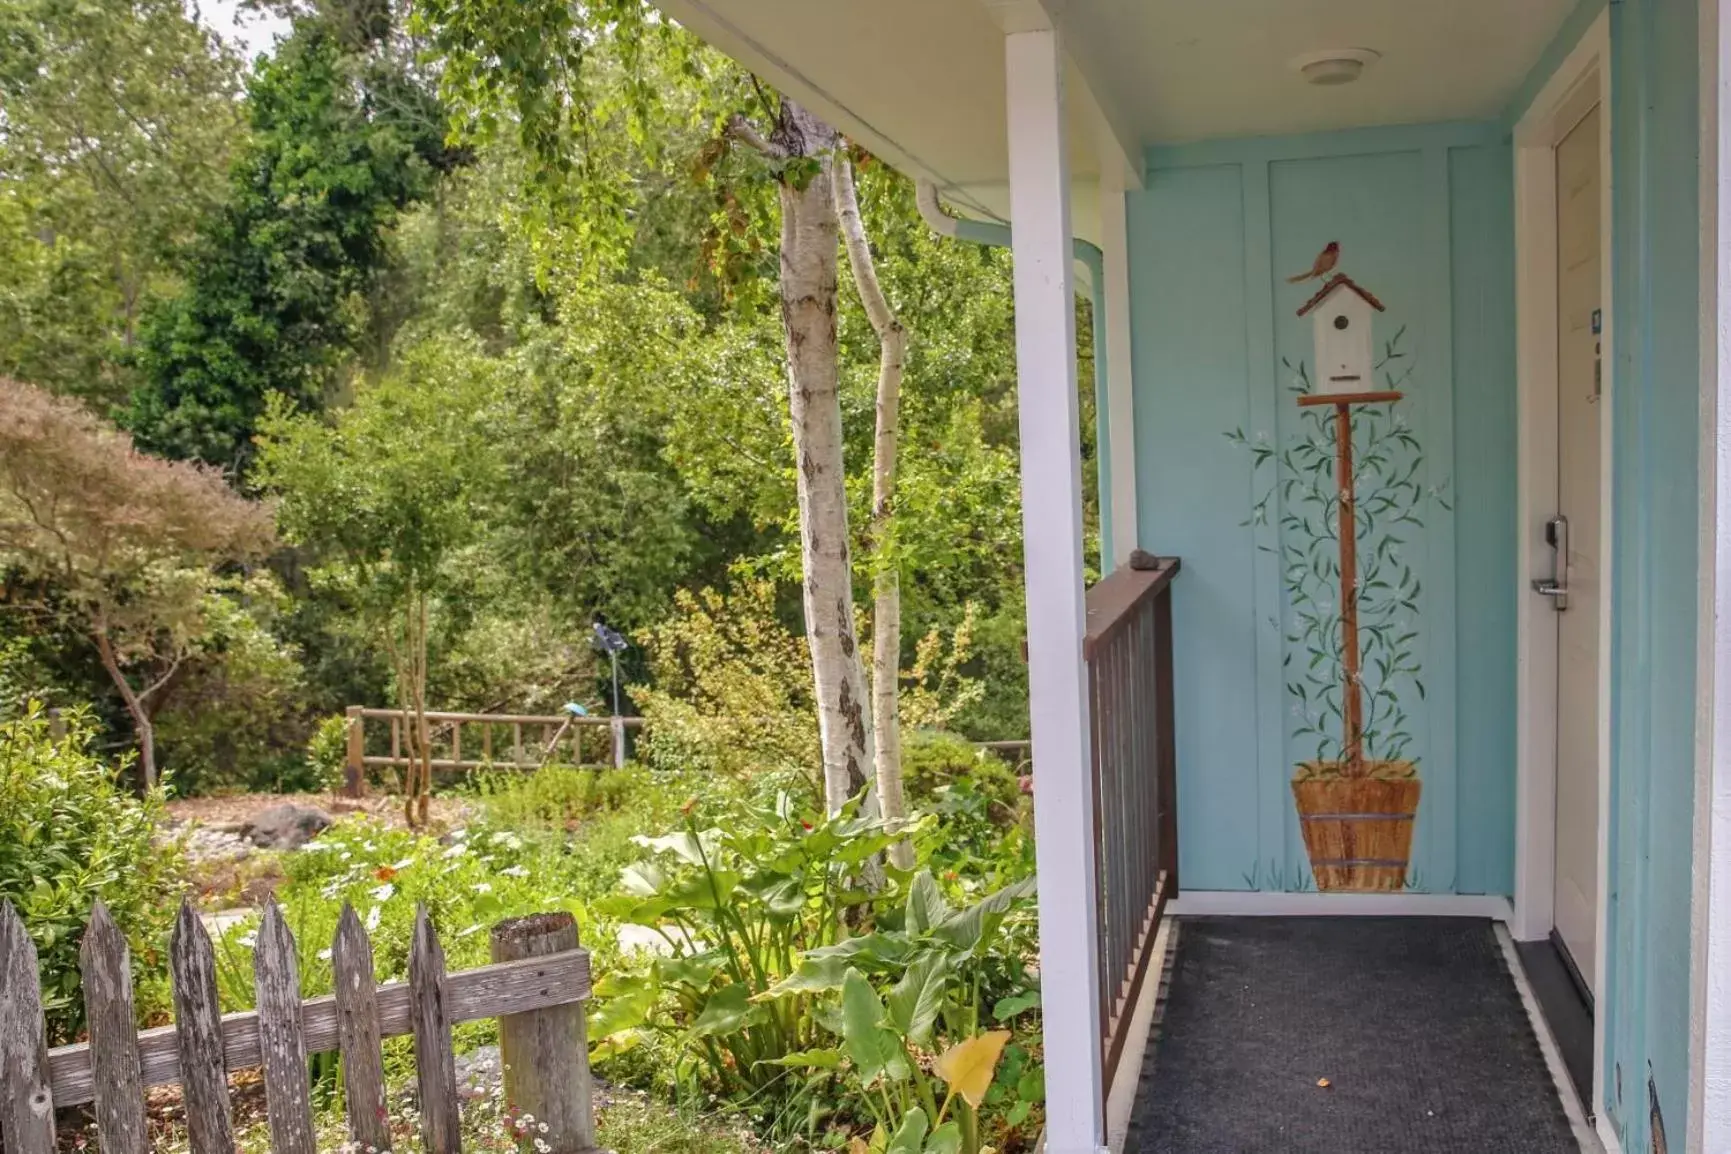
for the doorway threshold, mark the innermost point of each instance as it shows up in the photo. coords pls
(1568, 1012)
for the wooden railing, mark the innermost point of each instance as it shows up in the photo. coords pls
(547, 733)
(1128, 649)
(536, 988)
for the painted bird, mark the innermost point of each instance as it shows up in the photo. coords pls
(1325, 262)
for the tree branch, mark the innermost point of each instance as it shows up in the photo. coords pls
(742, 130)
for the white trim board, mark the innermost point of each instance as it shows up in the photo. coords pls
(1709, 1119)
(1580, 82)
(1255, 904)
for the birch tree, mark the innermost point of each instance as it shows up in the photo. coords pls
(803, 152)
(886, 574)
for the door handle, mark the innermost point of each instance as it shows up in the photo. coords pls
(1556, 586)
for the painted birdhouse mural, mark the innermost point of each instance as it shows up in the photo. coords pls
(1341, 312)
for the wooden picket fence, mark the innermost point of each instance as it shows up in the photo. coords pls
(536, 987)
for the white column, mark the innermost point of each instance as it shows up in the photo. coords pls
(1120, 378)
(1052, 534)
(1710, 1033)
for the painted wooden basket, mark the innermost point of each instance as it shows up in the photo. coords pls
(1357, 830)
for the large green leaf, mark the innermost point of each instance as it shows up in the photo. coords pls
(946, 1139)
(622, 1003)
(973, 929)
(683, 844)
(728, 1011)
(807, 1060)
(910, 1138)
(876, 1050)
(914, 1001)
(926, 905)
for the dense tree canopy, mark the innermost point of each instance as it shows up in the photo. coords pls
(282, 276)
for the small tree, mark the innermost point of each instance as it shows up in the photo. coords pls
(122, 544)
(387, 496)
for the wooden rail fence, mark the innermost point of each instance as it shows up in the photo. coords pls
(536, 987)
(546, 733)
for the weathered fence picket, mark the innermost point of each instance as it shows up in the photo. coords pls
(281, 1041)
(197, 1010)
(105, 969)
(435, 1069)
(26, 1107)
(358, 1033)
(536, 989)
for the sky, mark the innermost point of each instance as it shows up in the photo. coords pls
(252, 31)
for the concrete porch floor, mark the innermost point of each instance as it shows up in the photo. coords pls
(1346, 1036)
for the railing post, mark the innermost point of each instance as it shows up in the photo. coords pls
(618, 725)
(355, 766)
(546, 1052)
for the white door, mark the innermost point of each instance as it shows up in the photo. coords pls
(1578, 536)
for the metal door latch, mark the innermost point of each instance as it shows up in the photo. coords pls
(1556, 586)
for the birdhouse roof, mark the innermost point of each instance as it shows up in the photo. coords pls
(1340, 280)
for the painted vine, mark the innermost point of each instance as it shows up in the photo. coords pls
(1296, 485)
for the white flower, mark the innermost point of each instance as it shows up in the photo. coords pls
(404, 864)
(325, 954)
(515, 871)
(373, 919)
(384, 892)
(540, 1145)
(483, 888)
(456, 850)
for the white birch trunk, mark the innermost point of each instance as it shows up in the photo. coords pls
(808, 303)
(886, 569)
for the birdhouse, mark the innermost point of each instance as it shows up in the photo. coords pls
(1341, 312)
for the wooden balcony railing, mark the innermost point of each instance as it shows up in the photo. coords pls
(1128, 649)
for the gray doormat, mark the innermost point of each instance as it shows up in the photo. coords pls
(1414, 1022)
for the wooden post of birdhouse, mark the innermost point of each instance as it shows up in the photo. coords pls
(1344, 379)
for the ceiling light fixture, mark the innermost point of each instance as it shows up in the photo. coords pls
(1334, 66)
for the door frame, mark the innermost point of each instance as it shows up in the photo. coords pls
(1580, 82)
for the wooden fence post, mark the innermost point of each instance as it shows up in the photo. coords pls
(281, 1037)
(435, 1070)
(26, 1106)
(198, 1021)
(105, 968)
(546, 1052)
(355, 768)
(618, 743)
(357, 998)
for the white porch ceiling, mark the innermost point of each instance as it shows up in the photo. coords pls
(921, 82)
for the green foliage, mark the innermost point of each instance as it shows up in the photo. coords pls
(343, 136)
(732, 692)
(232, 716)
(559, 797)
(120, 119)
(69, 835)
(328, 751)
(783, 984)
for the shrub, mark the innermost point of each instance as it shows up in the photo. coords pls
(328, 751)
(556, 796)
(68, 836)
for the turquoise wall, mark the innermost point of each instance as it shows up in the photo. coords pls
(1655, 249)
(1424, 217)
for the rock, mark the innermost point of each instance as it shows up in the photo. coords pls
(285, 826)
(479, 1072)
